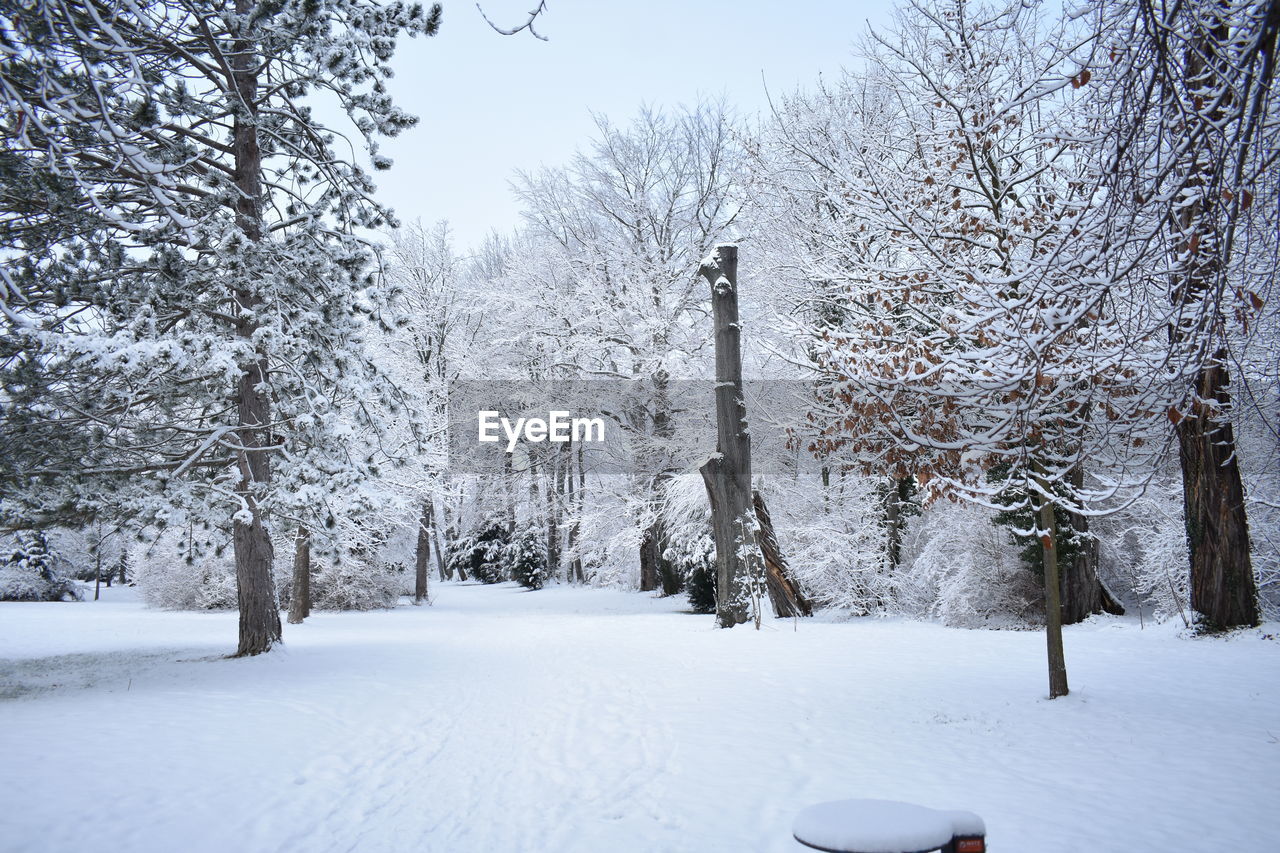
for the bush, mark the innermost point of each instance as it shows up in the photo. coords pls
(479, 553)
(701, 585)
(691, 551)
(357, 584)
(963, 570)
(525, 558)
(31, 573)
(175, 574)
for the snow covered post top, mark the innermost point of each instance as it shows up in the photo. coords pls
(720, 267)
(886, 826)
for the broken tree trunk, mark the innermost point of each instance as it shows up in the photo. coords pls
(783, 591)
(727, 474)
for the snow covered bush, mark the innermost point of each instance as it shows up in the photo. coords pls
(691, 550)
(960, 568)
(479, 552)
(525, 559)
(31, 571)
(357, 584)
(1143, 550)
(176, 573)
(833, 540)
(611, 534)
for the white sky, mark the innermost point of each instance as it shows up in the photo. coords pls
(491, 104)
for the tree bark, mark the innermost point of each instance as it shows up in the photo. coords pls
(727, 474)
(441, 563)
(784, 592)
(897, 496)
(1223, 589)
(300, 602)
(422, 555)
(575, 496)
(1083, 594)
(1048, 533)
(655, 569)
(555, 500)
(509, 487)
(255, 556)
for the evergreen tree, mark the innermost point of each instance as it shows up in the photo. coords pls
(526, 559)
(184, 285)
(30, 572)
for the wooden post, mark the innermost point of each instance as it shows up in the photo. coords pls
(727, 474)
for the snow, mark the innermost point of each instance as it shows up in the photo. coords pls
(872, 826)
(573, 719)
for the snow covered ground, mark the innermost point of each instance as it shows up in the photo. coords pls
(592, 720)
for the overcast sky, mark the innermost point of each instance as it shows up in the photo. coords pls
(492, 104)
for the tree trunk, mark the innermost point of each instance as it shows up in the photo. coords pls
(300, 602)
(422, 557)
(656, 571)
(1048, 533)
(255, 587)
(555, 497)
(727, 474)
(442, 552)
(442, 564)
(784, 592)
(509, 488)
(575, 496)
(451, 536)
(1083, 594)
(896, 498)
(1223, 589)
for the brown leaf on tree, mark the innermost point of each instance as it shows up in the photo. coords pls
(1175, 417)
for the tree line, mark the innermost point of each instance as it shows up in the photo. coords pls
(1018, 261)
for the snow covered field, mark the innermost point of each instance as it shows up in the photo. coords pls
(591, 720)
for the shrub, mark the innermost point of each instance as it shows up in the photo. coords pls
(356, 584)
(525, 558)
(480, 553)
(175, 574)
(31, 573)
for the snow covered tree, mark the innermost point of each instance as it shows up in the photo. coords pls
(617, 236)
(184, 294)
(1189, 93)
(973, 331)
(443, 323)
(30, 571)
(525, 557)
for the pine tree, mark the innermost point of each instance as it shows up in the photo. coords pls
(186, 289)
(30, 572)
